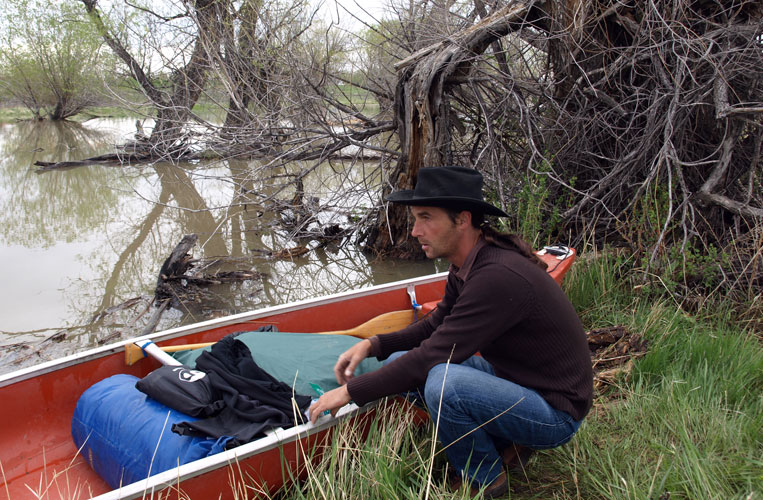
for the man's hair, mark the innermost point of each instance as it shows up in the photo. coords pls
(509, 241)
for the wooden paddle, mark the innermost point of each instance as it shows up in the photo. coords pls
(384, 323)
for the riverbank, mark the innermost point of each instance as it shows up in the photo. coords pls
(683, 422)
(207, 107)
(10, 114)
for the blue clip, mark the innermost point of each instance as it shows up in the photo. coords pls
(415, 305)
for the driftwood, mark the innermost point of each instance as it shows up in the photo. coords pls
(183, 280)
(179, 260)
(155, 317)
(613, 350)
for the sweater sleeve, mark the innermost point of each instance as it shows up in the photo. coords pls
(487, 304)
(412, 336)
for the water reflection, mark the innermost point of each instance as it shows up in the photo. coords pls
(81, 249)
(40, 210)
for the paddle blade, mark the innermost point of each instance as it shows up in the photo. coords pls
(384, 323)
(133, 354)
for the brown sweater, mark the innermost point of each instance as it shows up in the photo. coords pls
(513, 313)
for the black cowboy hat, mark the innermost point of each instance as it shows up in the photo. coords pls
(447, 187)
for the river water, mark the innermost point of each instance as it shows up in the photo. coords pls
(81, 248)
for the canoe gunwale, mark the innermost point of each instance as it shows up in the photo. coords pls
(229, 458)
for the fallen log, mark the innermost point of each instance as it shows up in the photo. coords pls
(183, 283)
(179, 260)
(47, 166)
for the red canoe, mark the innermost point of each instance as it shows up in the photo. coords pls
(38, 457)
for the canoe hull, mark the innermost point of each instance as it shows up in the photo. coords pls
(37, 452)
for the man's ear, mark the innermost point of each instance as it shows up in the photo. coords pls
(465, 217)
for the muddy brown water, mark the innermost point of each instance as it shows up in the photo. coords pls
(81, 249)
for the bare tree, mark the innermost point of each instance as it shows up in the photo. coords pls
(264, 66)
(174, 99)
(640, 119)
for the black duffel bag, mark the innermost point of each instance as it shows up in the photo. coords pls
(183, 389)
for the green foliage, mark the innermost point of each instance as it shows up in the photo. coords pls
(683, 265)
(647, 220)
(530, 203)
(537, 217)
(50, 58)
(698, 269)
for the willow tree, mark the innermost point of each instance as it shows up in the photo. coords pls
(51, 62)
(250, 60)
(173, 96)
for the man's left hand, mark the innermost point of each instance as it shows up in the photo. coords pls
(331, 401)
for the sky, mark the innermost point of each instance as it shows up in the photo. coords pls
(342, 11)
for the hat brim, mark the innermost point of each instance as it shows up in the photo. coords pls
(407, 197)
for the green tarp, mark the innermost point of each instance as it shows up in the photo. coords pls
(297, 359)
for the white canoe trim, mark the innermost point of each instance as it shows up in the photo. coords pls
(147, 488)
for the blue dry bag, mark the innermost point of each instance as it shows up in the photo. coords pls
(126, 436)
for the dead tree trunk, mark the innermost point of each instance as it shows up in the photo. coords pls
(175, 265)
(422, 111)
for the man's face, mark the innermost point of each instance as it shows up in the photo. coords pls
(436, 232)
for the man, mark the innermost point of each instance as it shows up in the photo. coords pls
(531, 384)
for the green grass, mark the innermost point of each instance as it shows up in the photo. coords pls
(12, 114)
(112, 112)
(685, 423)
(398, 459)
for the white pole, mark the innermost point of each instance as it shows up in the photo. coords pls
(155, 352)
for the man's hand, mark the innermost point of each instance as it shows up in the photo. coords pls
(344, 369)
(331, 401)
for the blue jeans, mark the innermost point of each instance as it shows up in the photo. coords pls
(478, 414)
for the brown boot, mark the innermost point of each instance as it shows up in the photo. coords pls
(515, 457)
(497, 489)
